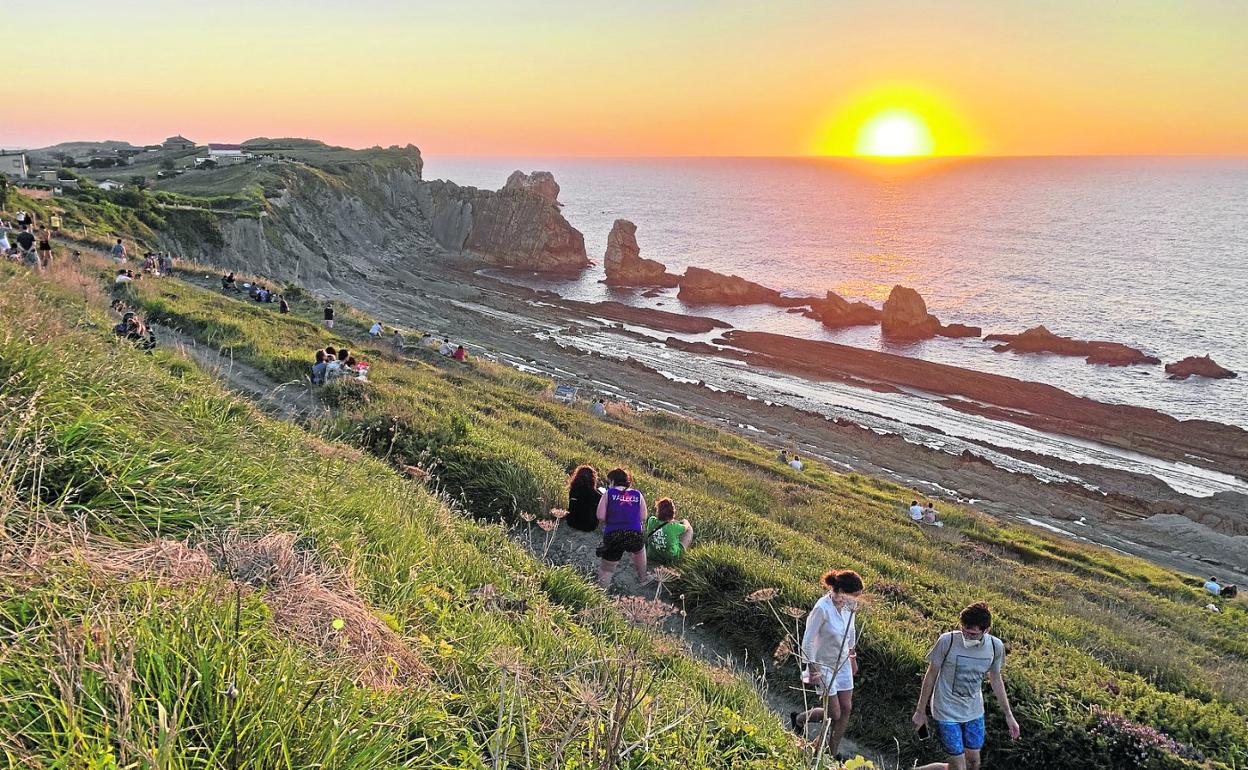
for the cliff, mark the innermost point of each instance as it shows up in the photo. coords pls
(326, 215)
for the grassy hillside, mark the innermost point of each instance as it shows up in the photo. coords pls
(1105, 650)
(185, 583)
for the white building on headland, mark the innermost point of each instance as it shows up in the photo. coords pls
(14, 164)
(224, 155)
(111, 184)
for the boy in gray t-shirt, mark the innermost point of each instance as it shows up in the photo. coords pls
(953, 684)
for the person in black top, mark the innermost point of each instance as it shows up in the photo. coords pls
(283, 307)
(329, 316)
(583, 498)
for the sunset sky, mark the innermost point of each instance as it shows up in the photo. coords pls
(508, 77)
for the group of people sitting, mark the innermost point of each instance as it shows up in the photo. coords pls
(795, 463)
(627, 526)
(921, 515)
(444, 347)
(255, 291)
(333, 363)
(133, 329)
(1217, 589)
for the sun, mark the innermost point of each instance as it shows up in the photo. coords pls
(894, 134)
(893, 122)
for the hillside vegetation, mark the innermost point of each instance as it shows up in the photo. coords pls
(1113, 662)
(186, 583)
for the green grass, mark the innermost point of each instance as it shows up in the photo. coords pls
(1085, 627)
(362, 641)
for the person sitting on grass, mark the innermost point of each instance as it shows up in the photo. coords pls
(667, 539)
(460, 354)
(929, 515)
(375, 329)
(583, 497)
(122, 277)
(796, 464)
(829, 656)
(1213, 586)
(783, 457)
(953, 687)
(446, 348)
(599, 409)
(621, 510)
(228, 282)
(916, 511)
(318, 369)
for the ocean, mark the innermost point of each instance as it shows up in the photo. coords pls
(1152, 252)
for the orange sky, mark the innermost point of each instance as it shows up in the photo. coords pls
(645, 78)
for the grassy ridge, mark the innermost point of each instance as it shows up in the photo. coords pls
(188, 584)
(1086, 628)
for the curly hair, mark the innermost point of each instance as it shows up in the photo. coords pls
(844, 581)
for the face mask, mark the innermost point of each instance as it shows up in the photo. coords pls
(972, 642)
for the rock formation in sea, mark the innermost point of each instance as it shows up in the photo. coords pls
(1198, 366)
(624, 263)
(538, 182)
(835, 312)
(518, 226)
(959, 330)
(699, 286)
(905, 316)
(1041, 340)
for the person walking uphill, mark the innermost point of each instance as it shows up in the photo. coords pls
(953, 685)
(830, 654)
(621, 510)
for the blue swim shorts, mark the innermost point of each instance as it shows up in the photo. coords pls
(957, 737)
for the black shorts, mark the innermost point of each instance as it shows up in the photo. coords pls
(614, 544)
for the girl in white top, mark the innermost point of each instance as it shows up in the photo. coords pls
(829, 654)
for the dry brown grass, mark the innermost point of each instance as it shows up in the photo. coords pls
(308, 602)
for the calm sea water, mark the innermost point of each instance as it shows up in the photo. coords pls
(1150, 252)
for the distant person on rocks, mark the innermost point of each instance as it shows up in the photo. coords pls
(119, 251)
(621, 510)
(329, 315)
(45, 246)
(916, 511)
(318, 368)
(953, 687)
(599, 409)
(583, 497)
(446, 348)
(283, 306)
(829, 655)
(460, 354)
(1213, 586)
(667, 539)
(375, 329)
(796, 464)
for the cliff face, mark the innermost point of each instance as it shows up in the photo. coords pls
(337, 216)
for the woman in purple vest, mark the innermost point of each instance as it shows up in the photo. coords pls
(621, 510)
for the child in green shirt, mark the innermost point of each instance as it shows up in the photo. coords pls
(667, 539)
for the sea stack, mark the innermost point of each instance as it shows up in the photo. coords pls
(1199, 366)
(624, 263)
(700, 286)
(905, 316)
